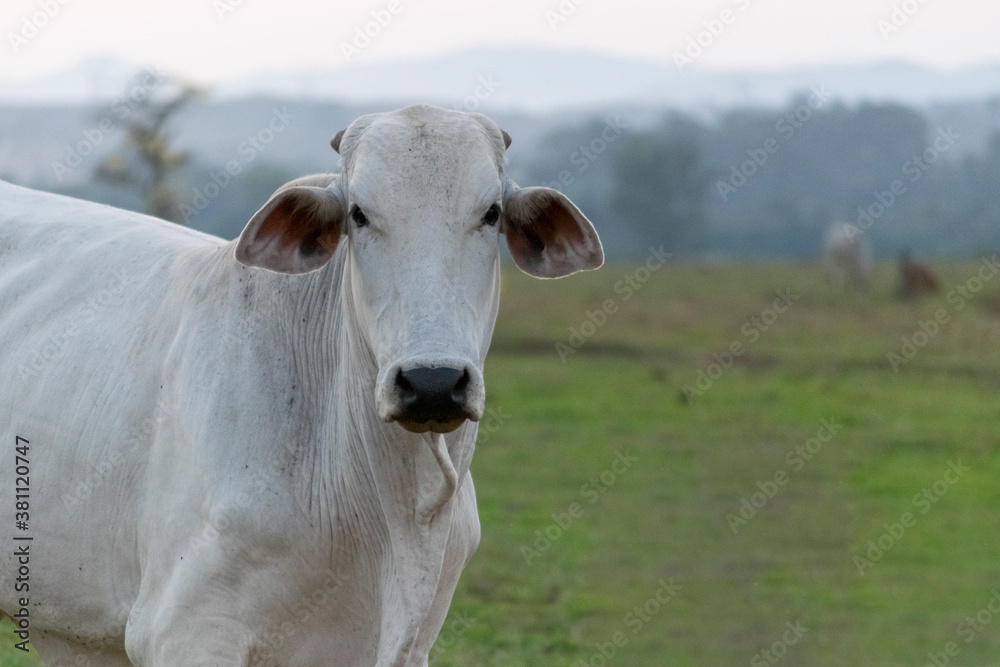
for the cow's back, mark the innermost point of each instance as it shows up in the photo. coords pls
(89, 302)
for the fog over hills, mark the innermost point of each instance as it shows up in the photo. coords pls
(530, 90)
(542, 80)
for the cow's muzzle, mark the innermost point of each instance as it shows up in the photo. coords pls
(431, 398)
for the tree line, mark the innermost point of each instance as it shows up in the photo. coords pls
(756, 183)
(749, 183)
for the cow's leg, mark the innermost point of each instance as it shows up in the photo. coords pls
(58, 651)
(190, 616)
(462, 543)
(194, 634)
(188, 630)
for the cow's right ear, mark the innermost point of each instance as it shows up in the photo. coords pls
(296, 231)
(547, 235)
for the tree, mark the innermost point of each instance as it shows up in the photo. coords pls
(659, 185)
(146, 160)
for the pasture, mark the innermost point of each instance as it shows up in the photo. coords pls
(807, 500)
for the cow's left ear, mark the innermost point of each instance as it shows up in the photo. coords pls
(547, 234)
(296, 231)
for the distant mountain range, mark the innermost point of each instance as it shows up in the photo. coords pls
(539, 80)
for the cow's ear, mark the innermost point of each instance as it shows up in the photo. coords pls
(547, 234)
(296, 231)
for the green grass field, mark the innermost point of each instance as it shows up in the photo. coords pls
(612, 499)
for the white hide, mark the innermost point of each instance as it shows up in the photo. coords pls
(216, 474)
(848, 255)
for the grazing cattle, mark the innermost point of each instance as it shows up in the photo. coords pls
(848, 256)
(915, 278)
(257, 452)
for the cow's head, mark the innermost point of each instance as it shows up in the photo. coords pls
(420, 206)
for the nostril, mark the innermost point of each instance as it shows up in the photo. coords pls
(407, 394)
(458, 393)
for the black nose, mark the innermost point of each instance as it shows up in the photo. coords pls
(432, 394)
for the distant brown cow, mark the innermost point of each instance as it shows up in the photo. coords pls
(915, 278)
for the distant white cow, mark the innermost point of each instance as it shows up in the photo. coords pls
(257, 452)
(848, 256)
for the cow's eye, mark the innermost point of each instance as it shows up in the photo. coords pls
(359, 218)
(492, 215)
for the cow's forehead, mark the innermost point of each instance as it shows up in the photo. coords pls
(423, 135)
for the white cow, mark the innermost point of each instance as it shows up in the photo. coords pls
(257, 452)
(848, 256)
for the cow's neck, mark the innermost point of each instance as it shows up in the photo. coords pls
(397, 471)
(383, 492)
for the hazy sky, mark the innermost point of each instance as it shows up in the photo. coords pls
(212, 40)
